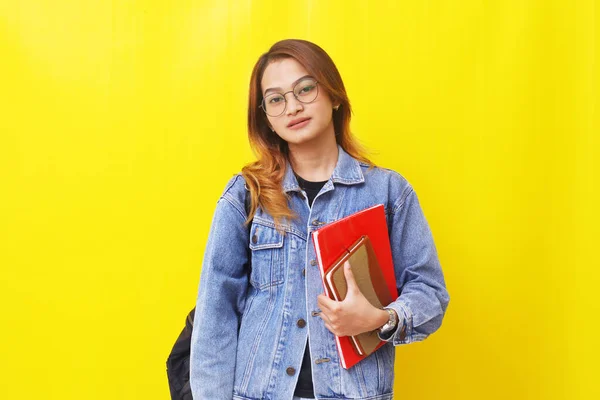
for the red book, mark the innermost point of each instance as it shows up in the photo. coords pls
(333, 240)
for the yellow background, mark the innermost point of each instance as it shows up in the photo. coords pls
(122, 121)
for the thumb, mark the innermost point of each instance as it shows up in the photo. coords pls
(350, 281)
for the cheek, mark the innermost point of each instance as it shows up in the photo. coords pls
(278, 125)
(270, 121)
(324, 115)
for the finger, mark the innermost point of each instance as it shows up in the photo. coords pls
(350, 281)
(325, 303)
(329, 328)
(325, 317)
(321, 301)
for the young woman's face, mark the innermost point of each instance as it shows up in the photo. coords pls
(301, 121)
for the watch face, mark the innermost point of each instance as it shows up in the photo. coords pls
(386, 328)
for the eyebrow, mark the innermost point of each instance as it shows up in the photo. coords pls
(293, 84)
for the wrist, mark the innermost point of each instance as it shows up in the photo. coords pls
(381, 319)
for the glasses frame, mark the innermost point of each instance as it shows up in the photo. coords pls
(264, 108)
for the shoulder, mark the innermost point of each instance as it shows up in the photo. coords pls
(235, 192)
(398, 187)
(235, 185)
(379, 171)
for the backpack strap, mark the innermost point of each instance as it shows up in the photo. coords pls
(247, 199)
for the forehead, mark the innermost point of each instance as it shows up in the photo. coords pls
(281, 74)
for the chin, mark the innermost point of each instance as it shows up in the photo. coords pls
(300, 137)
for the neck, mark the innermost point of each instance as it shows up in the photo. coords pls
(315, 161)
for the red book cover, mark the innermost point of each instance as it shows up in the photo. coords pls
(333, 240)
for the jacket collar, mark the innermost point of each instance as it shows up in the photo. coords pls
(347, 171)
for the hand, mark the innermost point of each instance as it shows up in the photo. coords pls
(353, 315)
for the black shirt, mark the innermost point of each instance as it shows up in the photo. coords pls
(304, 387)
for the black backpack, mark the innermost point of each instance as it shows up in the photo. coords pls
(178, 363)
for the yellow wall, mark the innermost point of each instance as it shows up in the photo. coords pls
(122, 121)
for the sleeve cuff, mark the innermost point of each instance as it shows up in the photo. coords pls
(403, 334)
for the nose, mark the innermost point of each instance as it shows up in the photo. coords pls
(293, 105)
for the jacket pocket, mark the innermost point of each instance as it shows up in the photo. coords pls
(266, 245)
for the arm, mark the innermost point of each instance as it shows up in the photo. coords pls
(220, 303)
(423, 296)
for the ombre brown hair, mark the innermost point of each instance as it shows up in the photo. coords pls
(264, 177)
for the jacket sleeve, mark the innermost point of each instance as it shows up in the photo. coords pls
(423, 297)
(220, 303)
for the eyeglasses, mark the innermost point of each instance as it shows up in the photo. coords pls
(305, 91)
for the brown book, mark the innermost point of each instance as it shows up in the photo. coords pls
(371, 282)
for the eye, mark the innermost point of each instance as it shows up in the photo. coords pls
(306, 89)
(275, 99)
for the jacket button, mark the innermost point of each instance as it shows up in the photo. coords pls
(301, 323)
(254, 239)
(313, 262)
(316, 222)
(290, 371)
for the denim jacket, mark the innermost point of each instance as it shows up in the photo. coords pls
(252, 323)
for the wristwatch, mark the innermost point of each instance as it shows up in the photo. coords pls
(392, 322)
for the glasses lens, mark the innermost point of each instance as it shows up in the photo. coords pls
(274, 104)
(306, 90)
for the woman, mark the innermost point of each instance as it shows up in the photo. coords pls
(263, 329)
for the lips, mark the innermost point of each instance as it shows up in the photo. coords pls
(297, 121)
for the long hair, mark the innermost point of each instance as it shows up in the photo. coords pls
(265, 175)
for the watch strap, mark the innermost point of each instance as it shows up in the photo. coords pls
(392, 321)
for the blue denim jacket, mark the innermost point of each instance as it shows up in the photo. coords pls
(251, 324)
